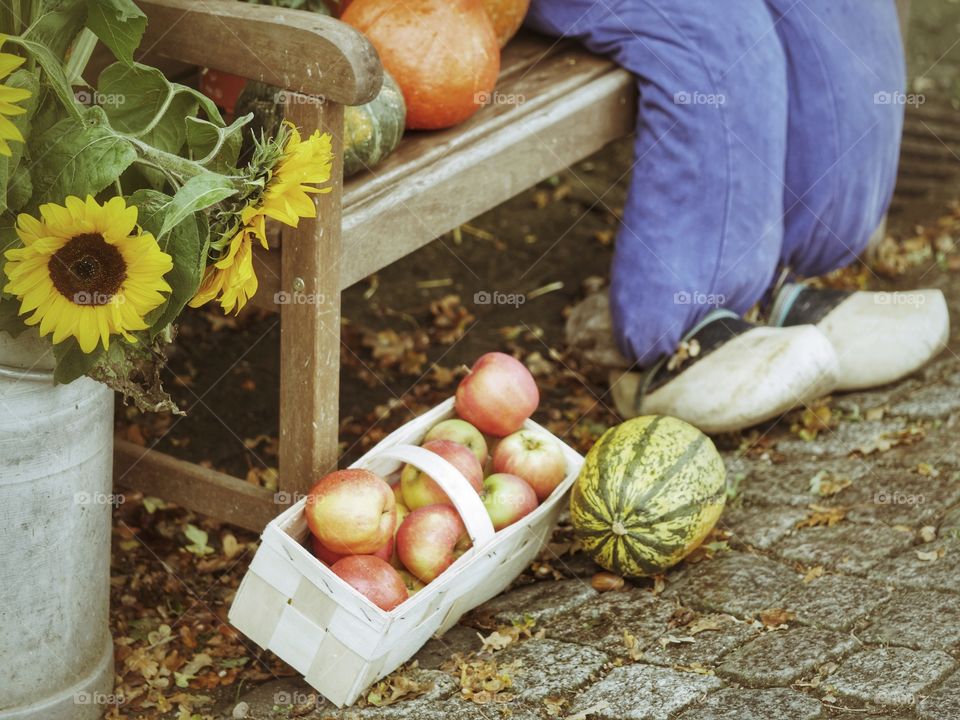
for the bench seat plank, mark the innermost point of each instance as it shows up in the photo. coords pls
(569, 105)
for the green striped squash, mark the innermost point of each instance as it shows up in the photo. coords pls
(370, 132)
(649, 492)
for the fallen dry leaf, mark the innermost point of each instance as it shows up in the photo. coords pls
(813, 421)
(821, 515)
(813, 573)
(554, 706)
(666, 640)
(826, 484)
(931, 555)
(706, 623)
(397, 686)
(776, 617)
(634, 650)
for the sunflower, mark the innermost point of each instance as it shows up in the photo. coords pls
(287, 195)
(232, 277)
(300, 166)
(8, 97)
(87, 271)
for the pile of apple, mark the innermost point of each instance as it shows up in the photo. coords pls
(389, 541)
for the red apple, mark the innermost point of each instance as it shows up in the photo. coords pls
(497, 395)
(420, 490)
(352, 512)
(507, 498)
(374, 578)
(430, 539)
(462, 432)
(534, 456)
(329, 557)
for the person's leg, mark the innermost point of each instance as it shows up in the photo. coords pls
(847, 80)
(703, 223)
(704, 219)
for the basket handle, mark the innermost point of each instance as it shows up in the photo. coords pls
(461, 493)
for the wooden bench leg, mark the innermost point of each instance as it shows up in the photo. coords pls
(310, 320)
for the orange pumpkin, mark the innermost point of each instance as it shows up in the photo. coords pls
(443, 54)
(507, 17)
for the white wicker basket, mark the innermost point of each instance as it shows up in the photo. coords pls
(292, 604)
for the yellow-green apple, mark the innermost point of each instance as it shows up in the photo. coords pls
(397, 494)
(420, 490)
(497, 395)
(462, 432)
(414, 585)
(374, 578)
(430, 539)
(394, 559)
(352, 512)
(507, 498)
(329, 557)
(534, 456)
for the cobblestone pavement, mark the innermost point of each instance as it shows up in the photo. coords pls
(859, 618)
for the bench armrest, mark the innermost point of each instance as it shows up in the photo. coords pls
(296, 50)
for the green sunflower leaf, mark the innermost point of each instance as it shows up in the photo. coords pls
(58, 24)
(216, 147)
(119, 24)
(10, 321)
(79, 158)
(54, 76)
(186, 243)
(25, 80)
(72, 362)
(198, 193)
(139, 101)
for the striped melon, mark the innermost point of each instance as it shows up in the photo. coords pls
(649, 492)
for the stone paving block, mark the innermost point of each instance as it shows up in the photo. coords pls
(549, 668)
(944, 702)
(889, 676)
(789, 483)
(826, 601)
(781, 657)
(909, 571)
(287, 692)
(458, 639)
(918, 619)
(929, 403)
(642, 692)
(738, 583)
(843, 440)
(707, 647)
(950, 525)
(761, 527)
(601, 622)
(901, 496)
(542, 601)
(846, 546)
(747, 704)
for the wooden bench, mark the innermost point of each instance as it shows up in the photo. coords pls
(567, 104)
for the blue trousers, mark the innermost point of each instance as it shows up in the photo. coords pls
(768, 136)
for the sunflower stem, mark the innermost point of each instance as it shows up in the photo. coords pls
(79, 55)
(179, 167)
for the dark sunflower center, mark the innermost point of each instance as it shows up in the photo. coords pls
(87, 270)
